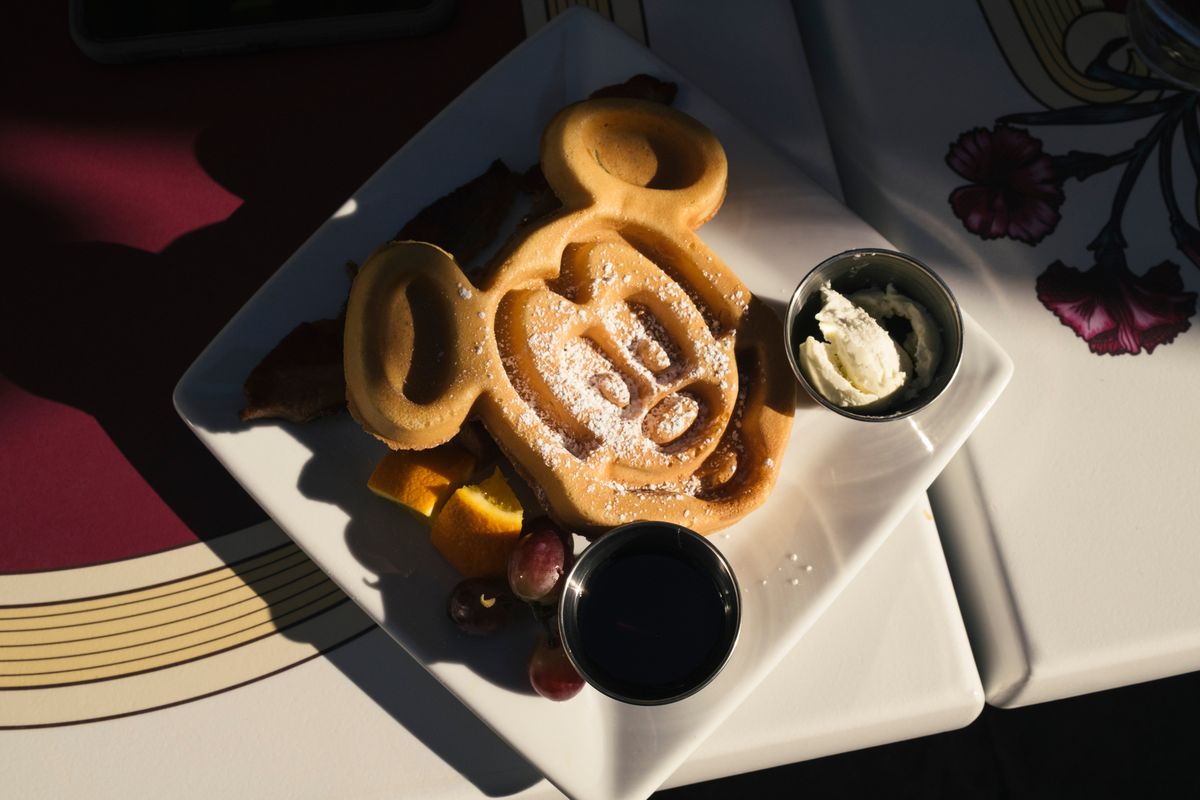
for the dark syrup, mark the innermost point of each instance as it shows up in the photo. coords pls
(653, 624)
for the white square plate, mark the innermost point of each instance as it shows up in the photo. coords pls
(843, 487)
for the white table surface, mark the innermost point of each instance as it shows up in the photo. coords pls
(888, 661)
(1070, 521)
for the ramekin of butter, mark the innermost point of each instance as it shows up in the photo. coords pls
(874, 335)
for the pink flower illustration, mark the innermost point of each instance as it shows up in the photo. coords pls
(1115, 311)
(1013, 192)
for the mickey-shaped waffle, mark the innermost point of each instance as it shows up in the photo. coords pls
(622, 367)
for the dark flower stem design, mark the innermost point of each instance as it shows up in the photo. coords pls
(1165, 178)
(1191, 138)
(1082, 166)
(1090, 115)
(1111, 235)
(1108, 306)
(1099, 70)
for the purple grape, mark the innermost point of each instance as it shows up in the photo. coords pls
(551, 673)
(538, 562)
(480, 606)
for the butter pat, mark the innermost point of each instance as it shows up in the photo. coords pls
(858, 365)
(923, 343)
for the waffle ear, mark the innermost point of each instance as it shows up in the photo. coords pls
(409, 331)
(634, 152)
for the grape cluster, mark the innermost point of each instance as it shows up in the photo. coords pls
(537, 568)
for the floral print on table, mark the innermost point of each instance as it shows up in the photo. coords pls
(1015, 189)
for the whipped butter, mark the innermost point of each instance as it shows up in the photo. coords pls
(923, 343)
(859, 364)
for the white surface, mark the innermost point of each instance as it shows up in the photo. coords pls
(906, 673)
(844, 485)
(1073, 533)
(749, 58)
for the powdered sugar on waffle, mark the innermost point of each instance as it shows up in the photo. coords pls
(605, 403)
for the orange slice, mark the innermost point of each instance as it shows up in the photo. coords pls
(421, 480)
(478, 527)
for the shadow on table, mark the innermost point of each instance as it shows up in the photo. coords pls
(413, 586)
(402, 687)
(107, 327)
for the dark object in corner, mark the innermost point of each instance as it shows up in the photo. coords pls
(641, 87)
(466, 221)
(301, 378)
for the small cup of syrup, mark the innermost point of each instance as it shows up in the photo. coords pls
(650, 613)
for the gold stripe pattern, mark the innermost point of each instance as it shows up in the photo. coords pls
(112, 636)
(1045, 23)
